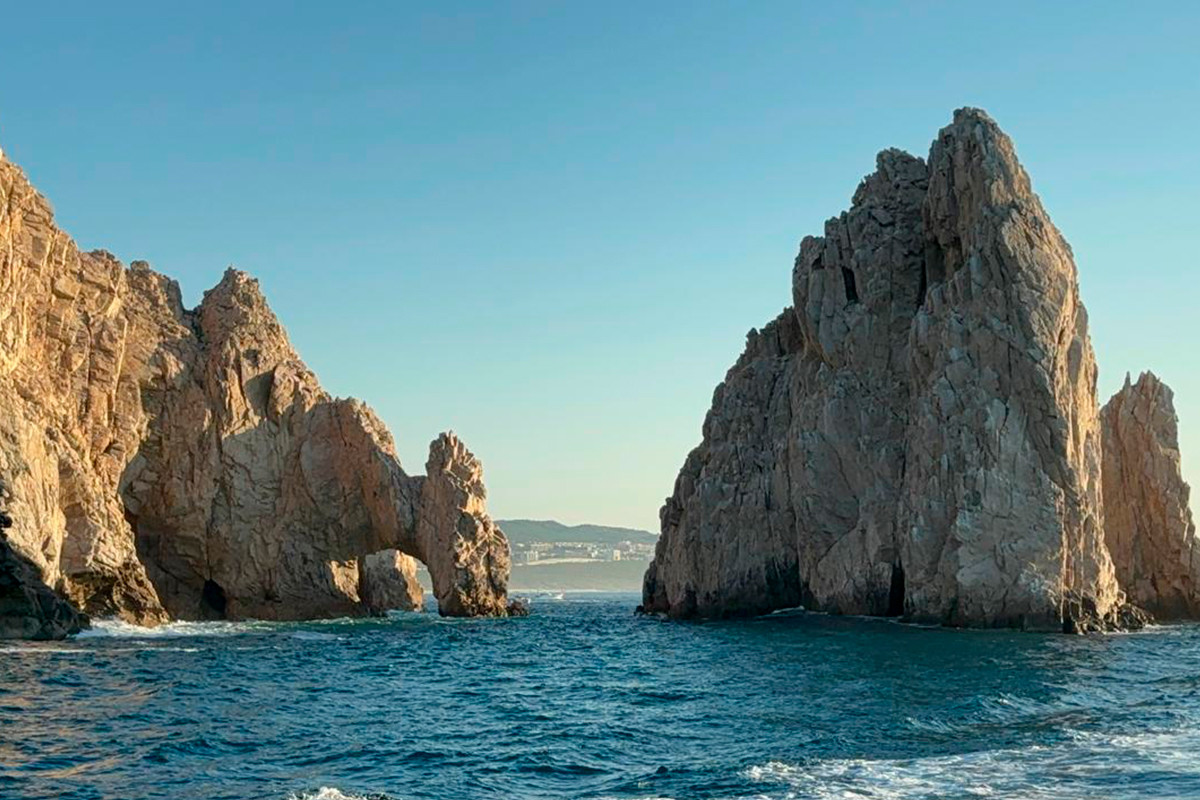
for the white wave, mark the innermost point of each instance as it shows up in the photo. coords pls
(1172, 750)
(69, 651)
(1013, 774)
(313, 636)
(988, 774)
(329, 793)
(121, 629)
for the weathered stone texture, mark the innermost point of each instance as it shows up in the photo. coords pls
(467, 555)
(387, 581)
(1148, 518)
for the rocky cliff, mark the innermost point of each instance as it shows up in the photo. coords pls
(918, 433)
(163, 462)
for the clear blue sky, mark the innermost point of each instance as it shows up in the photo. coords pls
(549, 226)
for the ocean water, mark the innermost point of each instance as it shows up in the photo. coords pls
(584, 700)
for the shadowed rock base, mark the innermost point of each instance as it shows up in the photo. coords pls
(29, 609)
(387, 581)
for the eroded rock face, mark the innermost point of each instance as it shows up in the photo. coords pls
(387, 581)
(1148, 519)
(159, 461)
(918, 434)
(72, 415)
(252, 481)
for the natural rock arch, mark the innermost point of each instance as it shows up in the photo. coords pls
(152, 455)
(252, 477)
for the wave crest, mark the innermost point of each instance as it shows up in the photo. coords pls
(333, 793)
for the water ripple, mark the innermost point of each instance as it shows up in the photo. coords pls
(584, 700)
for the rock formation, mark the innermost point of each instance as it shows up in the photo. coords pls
(387, 581)
(29, 609)
(159, 461)
(1148, 521)
(469, 568)
(918, 434)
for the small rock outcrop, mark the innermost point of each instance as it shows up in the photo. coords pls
(29, 609)
(918, 434)
(165, 462)
(1148, 519)
(387, 581)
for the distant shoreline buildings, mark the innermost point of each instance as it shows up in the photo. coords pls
(530, 553)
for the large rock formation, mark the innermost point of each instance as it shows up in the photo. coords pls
(159, 461)
(1148, 521)
(918, 434)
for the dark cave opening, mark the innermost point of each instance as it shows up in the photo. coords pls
(851, 285)
(895, 606)
(933, 270)
(212, 601)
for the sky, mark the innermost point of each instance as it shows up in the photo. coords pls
(549, 226)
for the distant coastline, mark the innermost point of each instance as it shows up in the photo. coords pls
(549, 556)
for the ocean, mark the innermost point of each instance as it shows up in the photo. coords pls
(583, 699)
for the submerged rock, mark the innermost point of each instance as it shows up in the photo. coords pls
(918, 434)
(164, 462)
(518, 607)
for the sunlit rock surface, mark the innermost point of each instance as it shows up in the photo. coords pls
(1148, 519)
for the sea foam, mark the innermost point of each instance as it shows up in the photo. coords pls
(331, 793)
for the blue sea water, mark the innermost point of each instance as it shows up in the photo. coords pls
(584, 700)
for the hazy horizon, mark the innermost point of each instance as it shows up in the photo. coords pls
(561, 263)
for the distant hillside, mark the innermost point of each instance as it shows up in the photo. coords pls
(531, 531)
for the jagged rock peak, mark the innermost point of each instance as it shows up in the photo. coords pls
(1148, 518)
(918, 434)
(456, 533)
